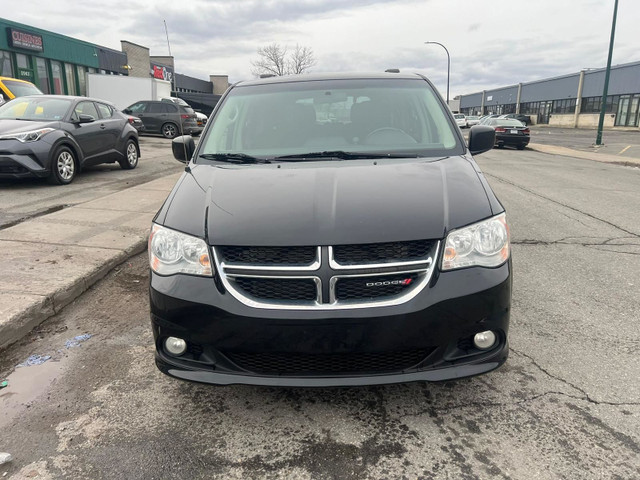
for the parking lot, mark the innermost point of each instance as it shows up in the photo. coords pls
(565, 405)
(32, 197)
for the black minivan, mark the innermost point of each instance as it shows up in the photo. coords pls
(331, 230)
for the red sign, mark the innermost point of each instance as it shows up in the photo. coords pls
(26, 40)
(161, 72)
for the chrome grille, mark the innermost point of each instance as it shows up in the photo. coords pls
(278, 288)
(279, 279)
(243, 255)
(378, 286)
(389, 252)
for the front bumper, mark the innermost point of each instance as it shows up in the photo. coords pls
(440, 321)
(20, 166)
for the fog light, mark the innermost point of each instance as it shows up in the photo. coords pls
(175, 346)
(484, 340)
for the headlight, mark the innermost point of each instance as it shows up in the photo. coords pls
(484, 244)
(172, 252)
(30, 136)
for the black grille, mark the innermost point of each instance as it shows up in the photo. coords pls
(12, 169)
(269, 255)
(343, 363)
(381, 252)
(359, 288)
(278, 288)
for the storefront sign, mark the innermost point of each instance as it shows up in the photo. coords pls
(25, 74)
(161, 72)
(25, 40)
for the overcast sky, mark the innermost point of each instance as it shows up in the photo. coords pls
(492, 43)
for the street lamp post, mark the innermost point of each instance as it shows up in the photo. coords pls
(606, 76)
(448, 66)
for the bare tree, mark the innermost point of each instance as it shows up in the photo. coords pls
(273, 59)
(300, 60)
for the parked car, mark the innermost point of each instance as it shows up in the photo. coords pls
(461, 120)
(168, 118)
(365, 251)
(485, 120)
(136, 123)
(11, 88)
(526, 119)
(55, 136)
(510, 131)
(201, 117)
(472, 120)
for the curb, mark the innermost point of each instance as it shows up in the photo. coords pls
(22, 323)
(596, 157)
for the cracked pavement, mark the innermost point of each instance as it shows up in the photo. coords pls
(566, 405)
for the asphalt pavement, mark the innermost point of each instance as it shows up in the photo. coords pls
(564, 406)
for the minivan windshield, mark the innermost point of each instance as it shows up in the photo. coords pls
(398, 117)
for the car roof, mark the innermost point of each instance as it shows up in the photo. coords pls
(68, 97)
(311, 77)
(2, 79)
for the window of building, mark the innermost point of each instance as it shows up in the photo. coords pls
(71, 79)
(594, 104)
(43, 75)
(82, 80)
(22, 61)
(56, 77)
(565, 106)
(6, 69)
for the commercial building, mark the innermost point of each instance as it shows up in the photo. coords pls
(55, 63)
(572, 100)
(59, 64)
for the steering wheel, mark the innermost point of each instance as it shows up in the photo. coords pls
(389, 135)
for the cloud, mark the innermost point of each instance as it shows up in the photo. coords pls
(489, 47)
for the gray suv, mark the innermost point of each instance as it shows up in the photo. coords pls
(168, 119)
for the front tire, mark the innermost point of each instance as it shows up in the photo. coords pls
(64, 166)
(169, 130)
(130, 160)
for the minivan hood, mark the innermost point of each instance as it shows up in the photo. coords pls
(325, 203)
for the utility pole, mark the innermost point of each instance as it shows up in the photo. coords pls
(606, 77)
(173, 74)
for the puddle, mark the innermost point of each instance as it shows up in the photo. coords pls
(26, 384)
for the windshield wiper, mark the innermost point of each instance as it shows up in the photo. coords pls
(233, 158)
(340, 154)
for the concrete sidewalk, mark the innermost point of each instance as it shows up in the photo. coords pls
(49, 261)
(598, 157)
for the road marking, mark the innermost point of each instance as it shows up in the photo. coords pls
(624, 149)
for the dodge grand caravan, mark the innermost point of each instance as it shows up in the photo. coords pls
(330, 230)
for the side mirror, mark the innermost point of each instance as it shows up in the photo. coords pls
(82, 118)
(482, 138)
(183, 148)
(127, 111)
